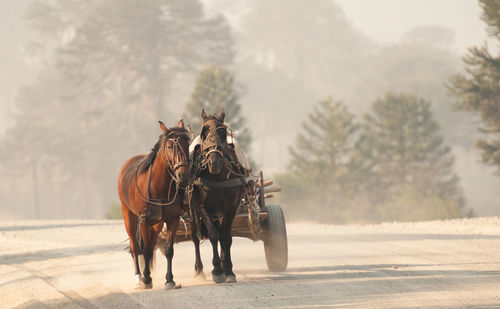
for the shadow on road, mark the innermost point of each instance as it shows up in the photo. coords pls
(400, 286)
(42, 255)
(55, 226)
(384, 237)
(386, 271)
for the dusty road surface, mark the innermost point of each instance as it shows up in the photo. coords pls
(82, 264)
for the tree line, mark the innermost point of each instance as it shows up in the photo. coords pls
(113, 68)
(391, 165)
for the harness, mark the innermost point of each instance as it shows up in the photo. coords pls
(179, 159)
(208, 184)
(178, 152)
(212, 143)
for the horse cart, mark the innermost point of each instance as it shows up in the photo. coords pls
(254, 220)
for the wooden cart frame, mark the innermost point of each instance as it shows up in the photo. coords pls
(256, 221)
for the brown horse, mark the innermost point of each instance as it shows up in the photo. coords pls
(151, 192)
(217, 192)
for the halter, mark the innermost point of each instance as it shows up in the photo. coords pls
(183, 160)
(183, 157)
(211, 145)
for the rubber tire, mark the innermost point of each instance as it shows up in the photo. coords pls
(275, 239)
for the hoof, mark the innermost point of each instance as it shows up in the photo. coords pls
(144, 286)
(200, 276)
(171, 286)
(231, 279)
(140, 285)
(219, 278)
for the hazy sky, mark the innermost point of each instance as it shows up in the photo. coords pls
(387, 20)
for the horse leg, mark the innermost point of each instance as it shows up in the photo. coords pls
(225, 242)
(146, 230)
(198, 265)
(172, 224)
(131, 226)
(217, 273)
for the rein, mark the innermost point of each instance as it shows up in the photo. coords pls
(219, 184)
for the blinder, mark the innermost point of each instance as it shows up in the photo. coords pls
(179, 157)
(212, 143)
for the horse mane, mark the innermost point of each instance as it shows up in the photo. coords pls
(150, 158)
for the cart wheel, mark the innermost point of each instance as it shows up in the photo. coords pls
(275, 240)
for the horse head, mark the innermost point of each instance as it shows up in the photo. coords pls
(174, 150)
(213, 141)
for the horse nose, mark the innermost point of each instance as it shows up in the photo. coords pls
(214, 166)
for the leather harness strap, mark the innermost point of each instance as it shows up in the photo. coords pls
(219, 184)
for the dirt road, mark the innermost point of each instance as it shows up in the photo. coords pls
(82, 264)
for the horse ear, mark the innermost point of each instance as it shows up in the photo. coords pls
(180, 124)
(221, 115)
(163, 127)
(203, 115)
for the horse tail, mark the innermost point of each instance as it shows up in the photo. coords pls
(138, 235)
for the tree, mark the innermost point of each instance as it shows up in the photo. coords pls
(318, 181)
(303, 41)
(430, 35)
(403, 155)
(132, 49)
(478, 89)
(108, 70)
(214, 90)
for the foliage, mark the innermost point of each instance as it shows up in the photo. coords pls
(131, 50)
(395, 168)
(293, 53)
(478, 89)
(109, 67)
(303, 41)
(319, 170)
(214, 90)
(431, 35)
(410, 204)
(402, 152)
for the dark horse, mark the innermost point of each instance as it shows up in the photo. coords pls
(217, 192)
(151, 192)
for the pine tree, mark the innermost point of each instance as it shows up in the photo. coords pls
(132, 49)
(273, 35)
(478, 89)
(214, 90)
(404, 158)
(318, 181)
(108, 70)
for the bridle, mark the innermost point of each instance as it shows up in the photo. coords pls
(210, 145)
(172, 165)
(177, 152)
